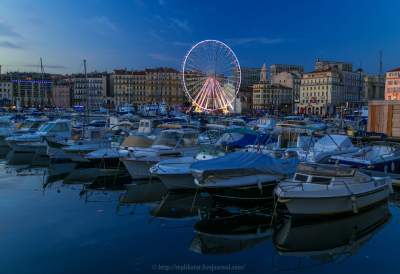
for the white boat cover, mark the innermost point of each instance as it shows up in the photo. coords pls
(332, 143)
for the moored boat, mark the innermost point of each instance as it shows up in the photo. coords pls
(175, 173)
(323, 189)
(378, 156)
(242, 176)
(169, 144)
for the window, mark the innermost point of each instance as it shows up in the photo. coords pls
(301, 177)
(321, 180)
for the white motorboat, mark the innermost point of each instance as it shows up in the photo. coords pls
(30, 125)
(175, 173)
(31, 147)
(321, 189)
(170, 143)
(66, 155)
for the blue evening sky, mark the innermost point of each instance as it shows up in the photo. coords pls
(135, 34)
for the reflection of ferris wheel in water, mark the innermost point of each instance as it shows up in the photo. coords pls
(211, 76)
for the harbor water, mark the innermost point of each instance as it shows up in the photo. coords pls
(58, 228)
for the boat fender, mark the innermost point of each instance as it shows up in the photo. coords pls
(390, 184)
(259, 186)
(392, 167)
(353, 199)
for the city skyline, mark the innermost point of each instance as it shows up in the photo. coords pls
(137, 34)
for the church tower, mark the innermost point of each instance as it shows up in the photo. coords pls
(263, 75)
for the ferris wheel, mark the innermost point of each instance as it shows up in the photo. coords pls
(211, 76)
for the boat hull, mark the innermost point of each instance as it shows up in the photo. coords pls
(138, 169)
(320, 206)
(246, 189)
(175, 182)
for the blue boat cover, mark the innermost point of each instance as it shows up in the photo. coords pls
(247, 138)
(262, 163)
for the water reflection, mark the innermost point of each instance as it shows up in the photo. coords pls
(142, 193)
(193, 224)
(226, 228)
(181, 205)
(329, 240)
(228, 232)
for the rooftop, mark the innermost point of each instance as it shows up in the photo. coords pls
(129, 72)
(162, 70)
(395, 69)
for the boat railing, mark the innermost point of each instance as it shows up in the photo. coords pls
(327, 186)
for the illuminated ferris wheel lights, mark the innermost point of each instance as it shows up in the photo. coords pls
(211, 76)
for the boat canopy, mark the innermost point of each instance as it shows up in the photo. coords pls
(137, 141)
(333, 142)
(236, 161)
(325, 170)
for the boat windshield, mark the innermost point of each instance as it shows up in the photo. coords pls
(190, 139)
(375, 151)
(30, 125)
(324, 170)
(45, 127)
(312, 179)
(53, 127)
(168, 138)
(301, 177)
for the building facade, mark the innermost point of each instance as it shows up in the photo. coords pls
(164, 85)
(129, 87)
(249, 77)
(32, 93)
(374, 87)
(332, 86)
(62, 93)
(6, 93)
(90, 91)
(392, 86)
(273, 98)
(290, 80)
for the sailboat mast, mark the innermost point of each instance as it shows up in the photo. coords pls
(87, 94)
(86, 86)
(41, 95)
